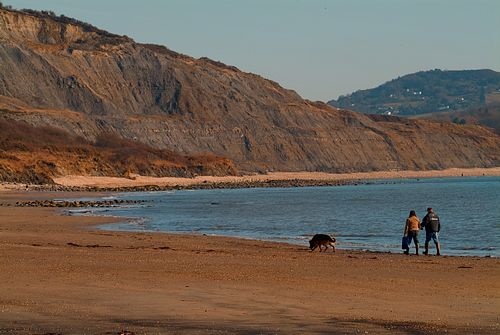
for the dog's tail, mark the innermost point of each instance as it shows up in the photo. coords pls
(333, 239)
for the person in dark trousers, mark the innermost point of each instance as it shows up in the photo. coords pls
(412, 227)
(432, 227)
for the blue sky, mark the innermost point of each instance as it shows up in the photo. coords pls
(319, 48)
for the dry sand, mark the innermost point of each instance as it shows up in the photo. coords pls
(60, 275)
(137, 180)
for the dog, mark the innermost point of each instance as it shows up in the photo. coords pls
(320, 240)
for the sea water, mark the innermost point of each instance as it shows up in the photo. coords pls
(367, 216)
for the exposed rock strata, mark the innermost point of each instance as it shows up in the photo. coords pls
(89, 82)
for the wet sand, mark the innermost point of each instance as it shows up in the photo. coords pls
(59, 274)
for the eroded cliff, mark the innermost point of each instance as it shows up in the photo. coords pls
(86, 81)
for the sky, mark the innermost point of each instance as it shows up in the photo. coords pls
(319, 48)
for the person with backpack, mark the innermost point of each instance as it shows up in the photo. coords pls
(432, 227)
(412, 228)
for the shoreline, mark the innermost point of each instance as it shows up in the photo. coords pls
(96, 281)
(123, 220)
(272, 179)
(64, 207)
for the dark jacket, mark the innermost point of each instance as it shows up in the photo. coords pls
(431, 223)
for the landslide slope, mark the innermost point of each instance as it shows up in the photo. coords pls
(59, 72)
(35, 155)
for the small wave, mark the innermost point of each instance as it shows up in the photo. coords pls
(489, 248)
(286, 238)
(347, 236)
(467, 248)
(160, 193)
(140, 221)
(80, 212)
(364, 235)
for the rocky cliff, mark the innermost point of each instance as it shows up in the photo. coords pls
(55, 71)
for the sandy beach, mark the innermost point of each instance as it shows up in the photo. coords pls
(61, 275)
(136, 180)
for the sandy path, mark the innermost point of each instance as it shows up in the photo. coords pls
(60, 275)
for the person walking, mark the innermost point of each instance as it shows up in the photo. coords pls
(412, 227)
(432, 227)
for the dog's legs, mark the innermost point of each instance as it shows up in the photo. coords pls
(333, 246)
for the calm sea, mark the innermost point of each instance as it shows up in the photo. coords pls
(369, 216)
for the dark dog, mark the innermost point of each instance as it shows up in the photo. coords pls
(320, 240)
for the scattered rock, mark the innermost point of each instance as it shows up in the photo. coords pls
(78, 203)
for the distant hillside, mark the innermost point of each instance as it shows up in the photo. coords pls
(487, 115)
(425, 92)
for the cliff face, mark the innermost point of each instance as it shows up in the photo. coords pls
(87, 81)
